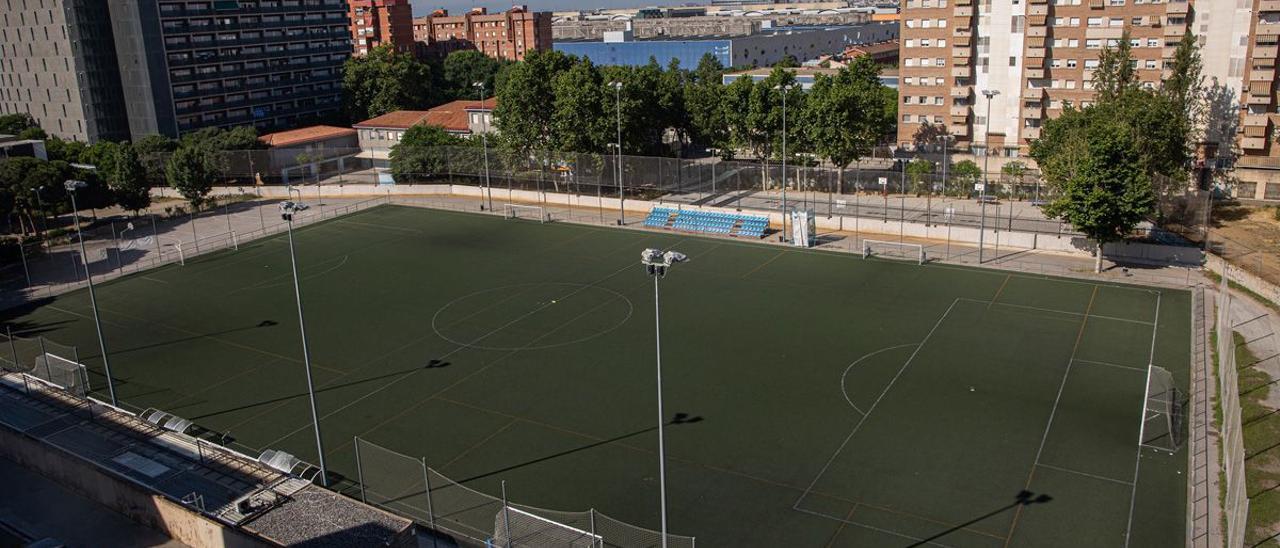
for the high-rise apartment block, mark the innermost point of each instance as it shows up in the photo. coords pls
(58, 64)
(1031, 57)
(508, 35)
(380, 22)
(191, 64)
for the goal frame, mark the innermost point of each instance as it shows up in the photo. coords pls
(1163, 410)
(510, 211)
(866, 243)
(503, 519)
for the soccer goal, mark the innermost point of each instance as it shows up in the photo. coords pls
(893, 250)
(521, 211)
(1163, 412)
(516, 528)
(67, 374)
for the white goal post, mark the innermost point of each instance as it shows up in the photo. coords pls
(520, 529)
(893, 250)
(521, 211)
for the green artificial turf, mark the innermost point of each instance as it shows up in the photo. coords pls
(821, 398)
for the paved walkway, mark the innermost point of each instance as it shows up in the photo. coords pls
(37, 508)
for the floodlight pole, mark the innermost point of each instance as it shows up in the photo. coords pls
(986, 179)
(71, 187)
(784, 89)
(658, 270)
(306, 354)
(617, 101)
(484, 140)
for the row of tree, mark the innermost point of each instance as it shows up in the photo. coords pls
(386, 80)
(122, 174)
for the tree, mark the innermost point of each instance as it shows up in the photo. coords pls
(1185, 82)
(1115, 74)
(1102, 188)
(579, 123)
(929, 135)
(21, 178)
(464, 68)
(419, 155)
(703, 101)
(918, 172)
(846, 115)
(522, 117)
(674, 114)
(1013, 172)
(787, 61)
(966, 173)
(384, 80)
(14, 124)
(190, 172)
(128, 180)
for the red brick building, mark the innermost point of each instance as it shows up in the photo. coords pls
(378, 22)
(508, 35)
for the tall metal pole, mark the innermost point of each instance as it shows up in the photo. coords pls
(306, 354)
(617, 101)
(484, 139)
(986, 179)
(662, 450)
(93, 299)
(784, 165)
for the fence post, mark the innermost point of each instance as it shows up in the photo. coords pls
(116, 239)
(155, 237)
(75, 353)
(194, 235)
(13, 347)
(506, 515)
(43, 354)
(359, 469)
(431, 511)
(592, 513)
(22, 250)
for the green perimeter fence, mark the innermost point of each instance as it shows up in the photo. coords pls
(407, 486)
(1235, 501)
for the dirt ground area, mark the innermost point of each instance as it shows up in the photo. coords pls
(1248, 236)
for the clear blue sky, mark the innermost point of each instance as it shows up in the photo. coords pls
(424, 7)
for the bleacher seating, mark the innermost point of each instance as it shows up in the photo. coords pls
(710, 222)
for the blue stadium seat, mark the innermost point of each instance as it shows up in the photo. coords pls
(710, 222)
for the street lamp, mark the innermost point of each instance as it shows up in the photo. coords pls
(982, 193)
(656, 262)
(784, 88)
(617, 101)
(287, 210)
(72, 185)
(484, 140)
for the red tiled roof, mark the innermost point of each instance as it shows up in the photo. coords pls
(304, 135)
(400, 119)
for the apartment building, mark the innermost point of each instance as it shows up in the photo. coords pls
(58, 64)
(507, 35)
(378, 22)
(191, 64)
(1032, 57)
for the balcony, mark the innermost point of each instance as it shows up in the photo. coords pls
(1255, 131)
(1034, 62)
(1037, 21)
(1258, 100)
(1268, 5)
(1033, 72)
(962, 92)
(962, 72)
(963, 11)
(1257, 120)
(1037, 53)
(1177, 7)
(962, 52)
(963, 40)
(961, 61)
(1032, 113)
(1039, 32)
(959, 131)
(1035, 41)
(1037, 94)
(964, 2)
(1265, 52)
(1173, 30)
(961, 111)
(1262, 74)
(1267, 29)
(1041, 10)
(1030, 133)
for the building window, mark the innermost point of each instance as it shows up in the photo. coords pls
(1246, 190)
(1271, 192)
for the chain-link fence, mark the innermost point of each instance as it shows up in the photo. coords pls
(406, 485)
(117, 247)
(1235, 504)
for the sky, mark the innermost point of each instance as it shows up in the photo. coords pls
(424, 7)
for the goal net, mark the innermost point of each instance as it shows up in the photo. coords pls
(893, 250)
(69, 375)
(516, 528)
(1163, 415)
(528, 212)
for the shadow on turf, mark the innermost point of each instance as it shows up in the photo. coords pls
(680, 418)
(1023, 498)
(431, 364)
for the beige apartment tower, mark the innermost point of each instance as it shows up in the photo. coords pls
(1032, 56)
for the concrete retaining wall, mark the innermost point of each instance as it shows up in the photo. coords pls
(120, 495)
(1247, 279)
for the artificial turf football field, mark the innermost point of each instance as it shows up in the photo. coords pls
(823, 399)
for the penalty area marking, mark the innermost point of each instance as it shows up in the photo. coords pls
(844, 391)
